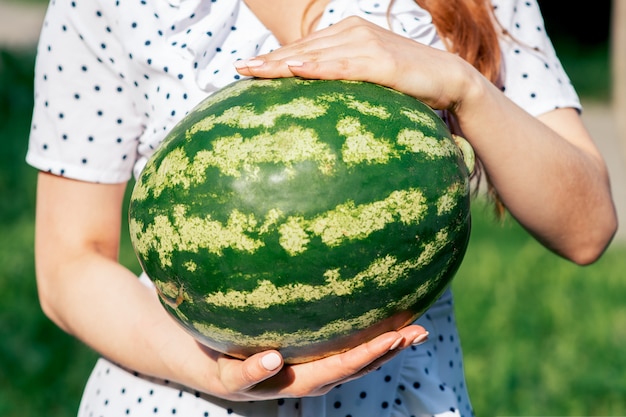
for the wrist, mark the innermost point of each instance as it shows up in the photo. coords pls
(475, 89)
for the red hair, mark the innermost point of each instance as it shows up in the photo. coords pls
(469, 28)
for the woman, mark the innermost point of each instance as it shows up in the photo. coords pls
(113, 78)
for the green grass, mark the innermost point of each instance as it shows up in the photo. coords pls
(541, 336)
(39, 365)
(588, 69)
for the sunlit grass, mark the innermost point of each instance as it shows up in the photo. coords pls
(541, 335)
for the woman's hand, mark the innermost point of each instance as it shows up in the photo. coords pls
(264, 376)
(355, 49)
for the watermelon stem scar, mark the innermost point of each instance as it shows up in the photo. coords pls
(172, 302)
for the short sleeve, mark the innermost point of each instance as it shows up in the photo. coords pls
(533, 75)
(85, 121)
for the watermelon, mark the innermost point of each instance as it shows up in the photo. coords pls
(300, 215)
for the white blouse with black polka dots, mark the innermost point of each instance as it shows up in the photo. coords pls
(113, 77)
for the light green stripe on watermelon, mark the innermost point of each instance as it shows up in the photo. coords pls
(326, 332)
(293, 339)
(344, 223)
(416, 141)
(234, 155)
(191, 234)
(349, 221)
(382, 272)
(364, 107)
(361, 146)
(245, 117)
(272, 218)
(432, 248)
(174, 171)
(448, 200)
(267, 294)
(420, 118)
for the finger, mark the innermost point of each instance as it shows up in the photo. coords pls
(409, 336)
(277, 63)
(354, 69)
(345, 62)
(318, 377)
(259, 68)
(412, 336)
(416, 335)
(328, 44)
(240, 376)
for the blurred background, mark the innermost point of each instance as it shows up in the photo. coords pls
(541, 337)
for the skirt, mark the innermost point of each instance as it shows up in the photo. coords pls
(424, 380)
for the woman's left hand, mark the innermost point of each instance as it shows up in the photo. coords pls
(355, 49)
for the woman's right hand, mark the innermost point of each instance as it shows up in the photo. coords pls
(86, 292)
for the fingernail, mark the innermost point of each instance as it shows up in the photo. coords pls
(294, 63)
(247, 63)
(271, 361)
(420, 339)
(396, 343)
(254, 62)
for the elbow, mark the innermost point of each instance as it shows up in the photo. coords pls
(49, 301)
(592, 245)
(48, 306)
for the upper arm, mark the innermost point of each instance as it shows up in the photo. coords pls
(568, 124)
(74, 218)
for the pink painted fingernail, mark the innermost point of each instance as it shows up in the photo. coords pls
(293, 63)
(420, 339)
(271, 361)
(396, 343)
(248, 63)
(254, 62)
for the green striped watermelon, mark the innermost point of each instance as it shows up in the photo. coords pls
(301, 215)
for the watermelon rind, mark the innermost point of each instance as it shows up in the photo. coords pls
(300, 215)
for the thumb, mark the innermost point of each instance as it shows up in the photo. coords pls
(239, 376)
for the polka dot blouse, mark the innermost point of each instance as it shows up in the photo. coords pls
(113, 77)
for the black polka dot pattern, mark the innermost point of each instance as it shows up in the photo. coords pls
(112, 78)
(533, 75)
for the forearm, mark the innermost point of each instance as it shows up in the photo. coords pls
(86, 292)
(548, 172)
(558, 189)
(109, 309)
